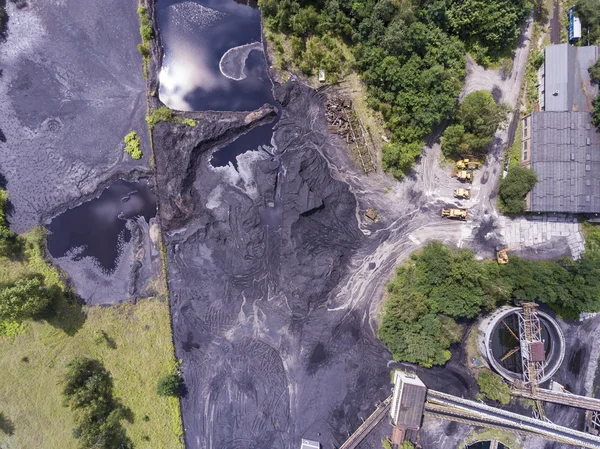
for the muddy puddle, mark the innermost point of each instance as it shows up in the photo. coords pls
(97, 228)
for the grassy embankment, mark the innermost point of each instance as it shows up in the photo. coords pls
(33, 355)
(139, 352)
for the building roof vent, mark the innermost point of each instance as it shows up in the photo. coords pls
(555, 93)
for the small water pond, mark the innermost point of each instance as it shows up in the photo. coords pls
(97, 228)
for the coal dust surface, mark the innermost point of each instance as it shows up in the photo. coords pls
(71, 87)
(213, 59)
(254, 254)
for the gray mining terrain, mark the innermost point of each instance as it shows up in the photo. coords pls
(71, 87)
(276, 278)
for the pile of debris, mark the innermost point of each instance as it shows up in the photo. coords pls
(343, 121)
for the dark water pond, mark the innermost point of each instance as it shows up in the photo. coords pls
(97, 227)
(195, 36)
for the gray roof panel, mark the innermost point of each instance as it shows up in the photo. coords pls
(567, 167)
(567, 84)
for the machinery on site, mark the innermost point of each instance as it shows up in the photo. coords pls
(502, 255)
(463, 175)
(462, 193)
(467, 164)
(455, 214)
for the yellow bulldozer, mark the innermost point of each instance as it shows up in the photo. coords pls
(462, 193)
(455, 214)
(502, 255)
(463, 175)
(467, 164)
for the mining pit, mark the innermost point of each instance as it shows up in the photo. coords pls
(275, 275)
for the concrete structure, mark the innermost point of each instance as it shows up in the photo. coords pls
(407, 403)
(559, 141)
(308, 444)
(531, 350)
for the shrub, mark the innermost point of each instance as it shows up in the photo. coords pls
(144, 50)
(169, 385)
(493, 387)
(132, 145)
(23, 298)
(164, 114)
(514, 187)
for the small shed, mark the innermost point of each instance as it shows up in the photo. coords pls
(537, 352)
(309, 444)
(321, 75)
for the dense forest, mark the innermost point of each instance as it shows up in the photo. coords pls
(410, 53)
(440, 285)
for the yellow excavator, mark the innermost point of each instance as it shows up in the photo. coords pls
(456, 214)
(467, 164)
(502, 255)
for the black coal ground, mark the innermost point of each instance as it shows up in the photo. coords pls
(71, 88)
(252, 258)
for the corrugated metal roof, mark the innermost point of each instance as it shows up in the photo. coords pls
(566, 165)
(567, 84)
(558, 63)
(410, 411)
(537, 352)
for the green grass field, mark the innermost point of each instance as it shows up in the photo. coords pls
(140, 351)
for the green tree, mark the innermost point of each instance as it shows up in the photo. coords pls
(589, 14)
(406, 445)
(493, 387)
(169, 385)
(8, 239)
(480, 114)
(23, 298)
(596, 112)
(514, 187)
(87, 390)
(477, 119)
(488, 27)
(594, 71)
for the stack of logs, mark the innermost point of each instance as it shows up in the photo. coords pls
(336, 111)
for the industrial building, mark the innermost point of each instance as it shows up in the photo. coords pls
(406, 411)
(559, 142)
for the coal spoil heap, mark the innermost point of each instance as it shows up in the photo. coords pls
(253, 255)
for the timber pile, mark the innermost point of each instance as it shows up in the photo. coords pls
(343, 121)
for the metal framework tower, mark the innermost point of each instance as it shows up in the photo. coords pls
(533, 355)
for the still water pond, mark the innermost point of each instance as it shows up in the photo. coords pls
(213, 58)
(97, 228)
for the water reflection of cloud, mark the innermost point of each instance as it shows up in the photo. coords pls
(185, 69)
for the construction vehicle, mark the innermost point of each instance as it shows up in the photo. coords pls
(456, 214)
(462, 175)
(502, 255)
(462, 193)
(467, 164)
